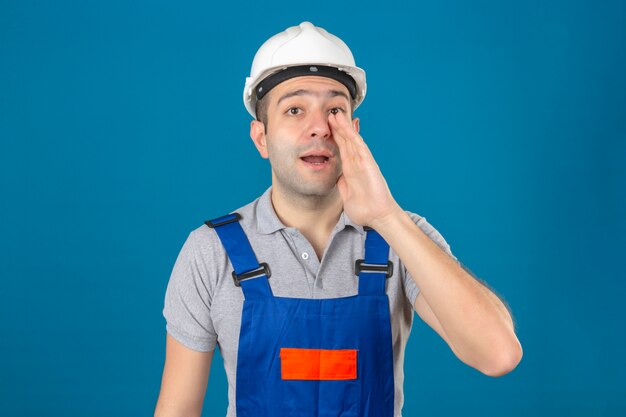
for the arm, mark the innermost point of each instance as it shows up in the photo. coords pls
(185, 377)
(470, 318)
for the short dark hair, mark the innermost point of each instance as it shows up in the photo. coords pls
(260, 109)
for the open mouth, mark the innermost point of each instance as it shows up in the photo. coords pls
(315, 159)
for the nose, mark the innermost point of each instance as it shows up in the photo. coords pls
(319, 127)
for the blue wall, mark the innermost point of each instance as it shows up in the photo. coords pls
(122, 129)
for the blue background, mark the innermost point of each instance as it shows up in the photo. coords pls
(122, 129)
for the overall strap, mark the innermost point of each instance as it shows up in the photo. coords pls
(248, 273)
(374, 270)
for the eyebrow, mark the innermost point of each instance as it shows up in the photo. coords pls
(302, 92)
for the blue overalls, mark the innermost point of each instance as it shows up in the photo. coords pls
(311, 357)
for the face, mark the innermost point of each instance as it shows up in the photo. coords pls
(299, 142)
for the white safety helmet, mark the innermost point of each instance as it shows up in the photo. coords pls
(298, 51)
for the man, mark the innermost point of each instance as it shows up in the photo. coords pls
(310, 289)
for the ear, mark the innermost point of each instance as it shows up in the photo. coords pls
(355, 123)
(257, 134)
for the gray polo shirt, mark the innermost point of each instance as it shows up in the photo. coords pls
(203, 306)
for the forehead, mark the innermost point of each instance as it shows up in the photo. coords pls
(317, 85)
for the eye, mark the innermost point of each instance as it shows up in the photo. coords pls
(294, 110)
(336, 110)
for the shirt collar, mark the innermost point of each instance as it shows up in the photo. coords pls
(268, 222)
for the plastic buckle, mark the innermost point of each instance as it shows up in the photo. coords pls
(213, 225)
(361, 266)
(263, 269)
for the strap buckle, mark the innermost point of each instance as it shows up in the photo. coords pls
(361, 266)
(263, 269)
(227, 219)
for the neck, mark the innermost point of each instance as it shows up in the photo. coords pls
(311, 215)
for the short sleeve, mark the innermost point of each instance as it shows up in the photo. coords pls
(410, 288)
(187, 301)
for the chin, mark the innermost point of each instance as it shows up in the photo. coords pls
(318, 189)
(296, 184)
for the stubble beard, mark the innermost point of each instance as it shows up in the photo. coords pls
(287, 176)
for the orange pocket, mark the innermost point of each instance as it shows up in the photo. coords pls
(318, 364)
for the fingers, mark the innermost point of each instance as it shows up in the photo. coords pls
(347, 138)
(341, 125)
(339, 133)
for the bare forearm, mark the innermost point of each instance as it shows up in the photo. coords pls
(477, 324)
(498, 303)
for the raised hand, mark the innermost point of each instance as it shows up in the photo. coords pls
(364, 191)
